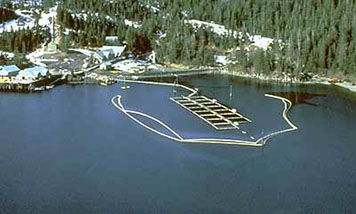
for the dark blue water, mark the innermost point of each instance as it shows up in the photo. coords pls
(70, 151)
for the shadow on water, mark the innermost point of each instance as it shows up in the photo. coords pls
(298, 97)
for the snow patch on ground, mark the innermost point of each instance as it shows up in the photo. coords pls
(26, 21)
(84, 16)
(151, 8)
(7, 55)
(216, 28)
(67, 31)
(132, 66)
(257, 40)
(220, 59)
(132, 24)
(47, 19)
(261, 42)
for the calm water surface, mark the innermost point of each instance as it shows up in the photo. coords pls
(70, 151)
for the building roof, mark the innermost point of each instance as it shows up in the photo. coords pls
(5, 70)
(10, 68)
(100, 54)
(112, 38)
(106, 53)
(117, 50)
(35, 71)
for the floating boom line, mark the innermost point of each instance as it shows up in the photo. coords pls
(116, 101)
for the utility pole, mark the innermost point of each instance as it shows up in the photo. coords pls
(230, 91)
(175, 85)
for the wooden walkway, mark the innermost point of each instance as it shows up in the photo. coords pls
(212, 112)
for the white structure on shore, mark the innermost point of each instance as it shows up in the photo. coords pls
(112, 39)
(116, 51)
(32, 74)
(133, 66)
(9, 71)
(106, 53)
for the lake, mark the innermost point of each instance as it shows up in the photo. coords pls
(69, 150)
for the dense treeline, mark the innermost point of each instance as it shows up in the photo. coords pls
(319, 35)
(23, 41)
(20, 43)
(6, 15)
(316, 36)
(27, 39)
(181, 42)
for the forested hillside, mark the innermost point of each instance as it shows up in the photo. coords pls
(6, 15)
(23, 36)
(316, 36)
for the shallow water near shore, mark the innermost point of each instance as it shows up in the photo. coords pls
(69, 150)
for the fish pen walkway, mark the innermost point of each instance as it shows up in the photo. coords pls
(212, 112)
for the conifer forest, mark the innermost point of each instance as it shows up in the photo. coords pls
(310, 36)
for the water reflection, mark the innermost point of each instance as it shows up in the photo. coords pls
(298, 97)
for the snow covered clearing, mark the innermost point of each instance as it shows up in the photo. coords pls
(216, 28)
(257, 40)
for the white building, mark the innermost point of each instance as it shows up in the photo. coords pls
(111, 39)
(99, 56)
(32, 74)
(115, 50)
(108, 52)
(9, 71)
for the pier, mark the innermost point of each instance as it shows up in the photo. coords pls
(212, 112)
(31, 86)
(16, 87)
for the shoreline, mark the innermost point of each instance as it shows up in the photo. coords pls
(350, 87)
(269, 79)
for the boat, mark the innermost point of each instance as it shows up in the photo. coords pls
(106, 82)
(41, 88)
(125, 87)
(103, 83)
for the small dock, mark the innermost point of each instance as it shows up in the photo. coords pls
(212, 112)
